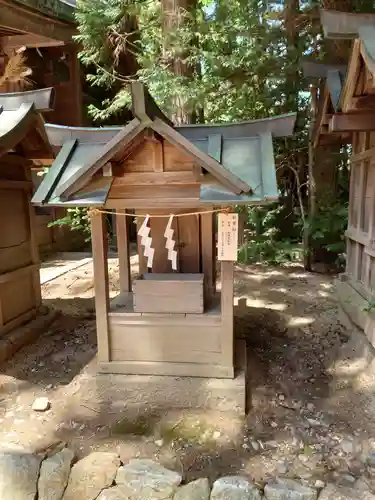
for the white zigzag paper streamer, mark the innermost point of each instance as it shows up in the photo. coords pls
(170, 243)
(146, 241)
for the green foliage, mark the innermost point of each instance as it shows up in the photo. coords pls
(232, 54)
(77, 219)
(329, 225)
(265, 236)
(219, 60)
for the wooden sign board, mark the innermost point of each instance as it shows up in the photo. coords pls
(227, 236)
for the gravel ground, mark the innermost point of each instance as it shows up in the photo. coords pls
(312, 387)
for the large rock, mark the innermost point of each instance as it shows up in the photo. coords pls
(18, 475)
(91, 475)
(288, 489)
(333, 492)
(234, 488)
(54, 475)
(114, 493)
(196, 490)
(147, 479)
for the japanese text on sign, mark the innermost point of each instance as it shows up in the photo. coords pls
(227, 236)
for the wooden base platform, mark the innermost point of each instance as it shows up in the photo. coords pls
(167, 344)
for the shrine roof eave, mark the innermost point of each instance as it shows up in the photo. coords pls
(19, 115)
(42, 99)
(277, 126)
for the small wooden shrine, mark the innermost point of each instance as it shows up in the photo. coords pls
(346, 114)
(23, 143)
(171, 320)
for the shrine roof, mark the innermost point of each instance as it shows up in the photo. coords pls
(59, 9)
(20, 116)
(238, 156)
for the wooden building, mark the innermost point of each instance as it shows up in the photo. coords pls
(23, 143)
(164, 322)
(43, 30)
(346, 114)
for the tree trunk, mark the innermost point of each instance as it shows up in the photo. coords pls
(291, 12)
(175, 16)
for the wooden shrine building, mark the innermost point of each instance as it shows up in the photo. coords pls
(23, 143)
(44, 30)
(347, 114)
(168, 321)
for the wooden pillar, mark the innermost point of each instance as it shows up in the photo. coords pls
(123, 252)
(34, 251)
(100, 250)
(227, 276)
(208, 255)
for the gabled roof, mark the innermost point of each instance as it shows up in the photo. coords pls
(19, 116)
(239, 164)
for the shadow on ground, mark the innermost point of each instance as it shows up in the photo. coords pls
(294, 338)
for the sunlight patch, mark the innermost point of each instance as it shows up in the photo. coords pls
(261, 303)
(300, 321)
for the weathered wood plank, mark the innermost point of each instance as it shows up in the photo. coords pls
(34, 252)
(169, 293)
(167, 343)
(352, 75)
(157, 156)
(227, 286)
(172, 369)
(155, 178)
(29, 41)
(188, 244)
(17, 273)
(123, 252)
(99, 249)
(162, 192)
(208, 255)
(7, 184)
(352, 122)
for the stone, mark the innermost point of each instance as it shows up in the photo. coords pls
(313, 422)
(347, 446)
(114, 493)
(18, 475)
(319, 484)
(144, 478)
(288, 489)
(333, 492)
(54, 475)
(196, 490)
(41, 404)
(370, 459)
(255, 445)
(91, 475)
(234, 488)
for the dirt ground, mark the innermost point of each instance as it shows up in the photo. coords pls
(312, 384)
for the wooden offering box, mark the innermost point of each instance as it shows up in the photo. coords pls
(169, 293)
